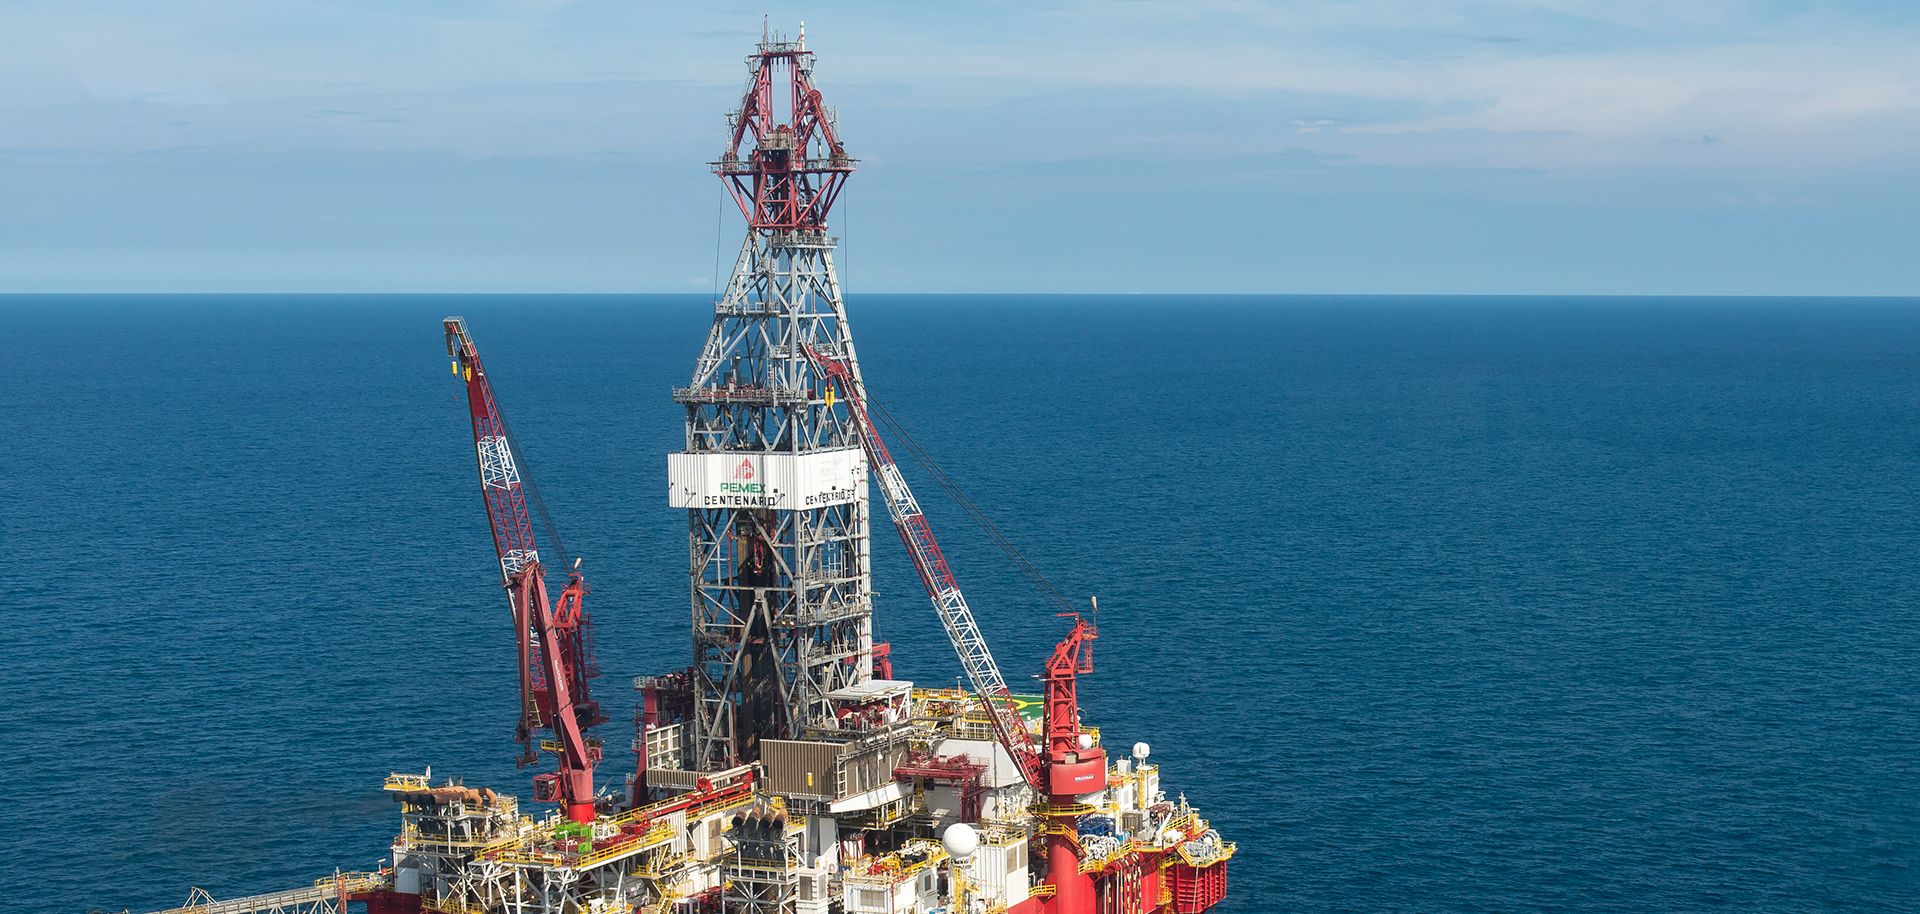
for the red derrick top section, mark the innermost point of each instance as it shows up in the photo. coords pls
(783, 162)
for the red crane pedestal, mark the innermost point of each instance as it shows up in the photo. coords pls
(1071, 769)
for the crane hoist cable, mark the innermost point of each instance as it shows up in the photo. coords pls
(898, 432)
(568, 564)
(956, 617)
(533, 496)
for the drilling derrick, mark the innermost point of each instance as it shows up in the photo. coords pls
(785, 771)
(773, 477)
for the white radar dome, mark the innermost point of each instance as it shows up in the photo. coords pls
(1086, 741)
(960, 840)
(1141, 751)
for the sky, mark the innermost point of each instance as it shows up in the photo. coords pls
(1297, 146)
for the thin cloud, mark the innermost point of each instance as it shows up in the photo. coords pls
(1536, 84)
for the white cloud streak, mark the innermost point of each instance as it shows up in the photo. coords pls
(1566, 85)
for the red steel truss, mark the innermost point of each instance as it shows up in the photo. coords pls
(783, 161)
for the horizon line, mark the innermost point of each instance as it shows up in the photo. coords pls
(1128, 294)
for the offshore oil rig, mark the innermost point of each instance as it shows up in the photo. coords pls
(785, 771)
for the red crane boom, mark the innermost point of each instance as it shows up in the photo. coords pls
(555, 653)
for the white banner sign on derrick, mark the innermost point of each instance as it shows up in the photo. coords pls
(781, 482)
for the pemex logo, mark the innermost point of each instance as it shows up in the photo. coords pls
(742, 482)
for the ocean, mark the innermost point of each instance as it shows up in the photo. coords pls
(1431, 604)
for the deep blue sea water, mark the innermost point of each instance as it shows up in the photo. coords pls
(1435, 605)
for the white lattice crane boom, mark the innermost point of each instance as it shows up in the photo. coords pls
(983, 674)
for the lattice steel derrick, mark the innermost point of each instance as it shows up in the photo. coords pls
(781, 595)
(781, 598)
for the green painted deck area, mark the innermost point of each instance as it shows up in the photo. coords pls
(1032, 710)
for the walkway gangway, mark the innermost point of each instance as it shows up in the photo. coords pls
(325, 896)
